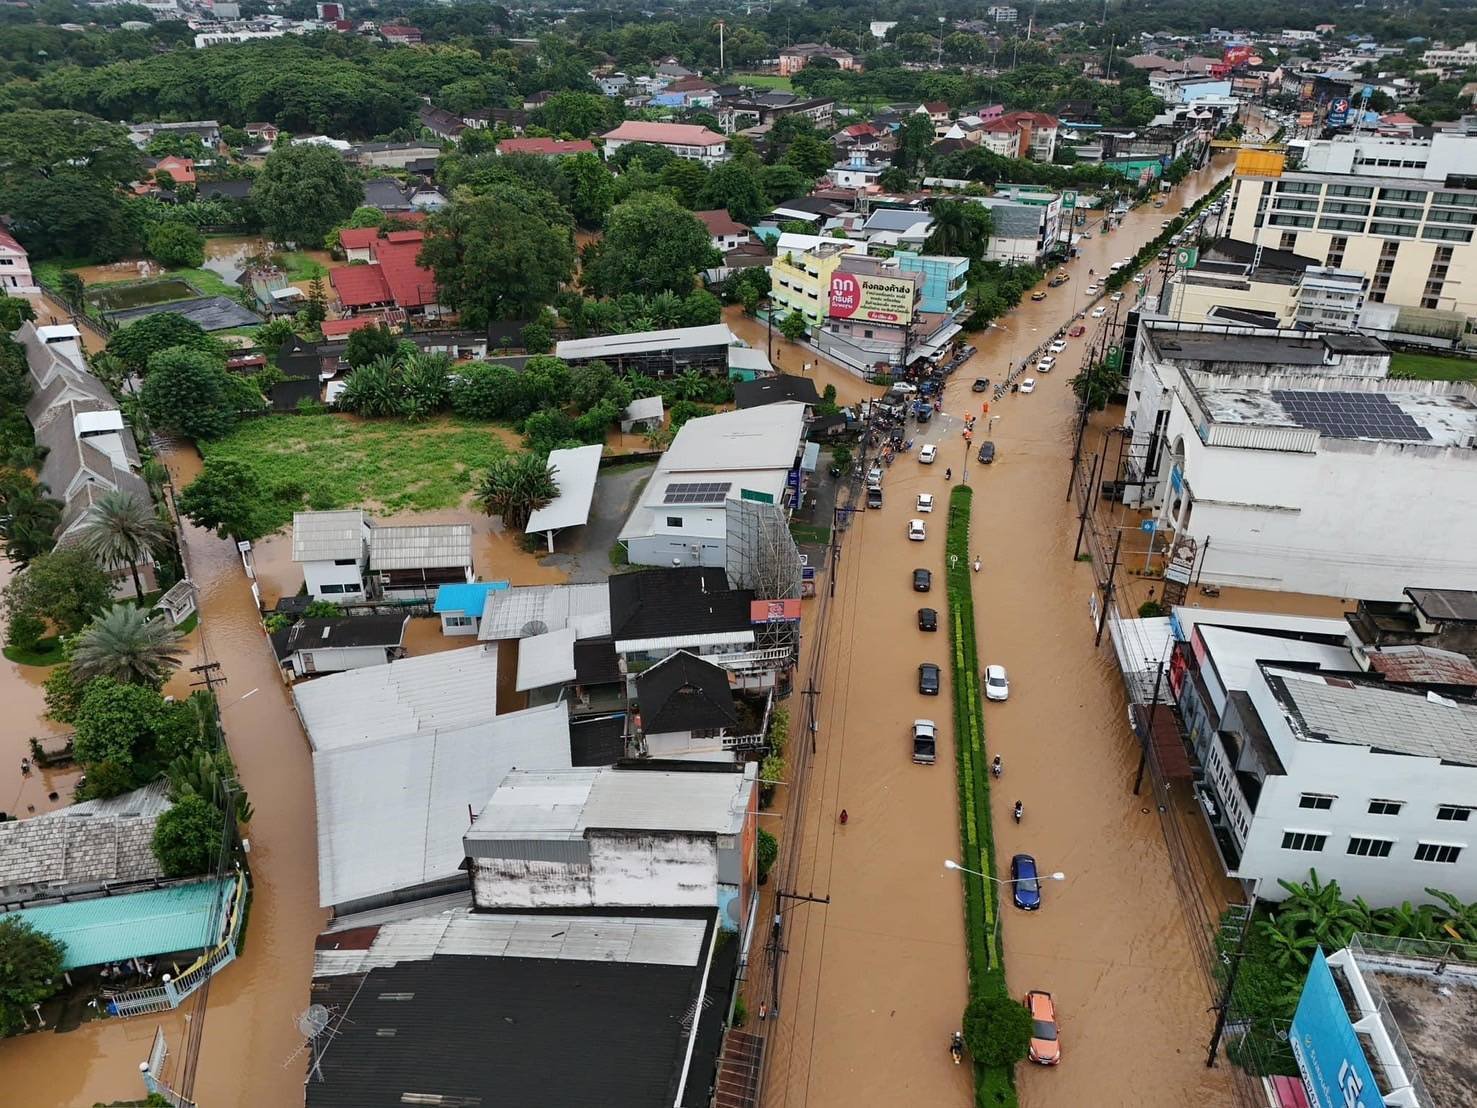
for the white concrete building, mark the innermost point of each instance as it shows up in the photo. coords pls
(681, 518)
(1021, 232)
(1296, 465)
(1319, 298)
(1400, 210)
(333, 548)
(1309, 764)
(1452, 57)
(686, 140)
(609, 838)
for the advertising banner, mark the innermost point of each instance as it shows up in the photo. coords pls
(1237, 55)
(1335, 1072)
(865, 296)
(1338, 112)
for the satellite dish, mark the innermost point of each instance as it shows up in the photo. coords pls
(312, 1021)
(533, 627)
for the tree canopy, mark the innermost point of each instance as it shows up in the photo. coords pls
(30, 971)
(304, 192)
(651, 245)
(189, 392)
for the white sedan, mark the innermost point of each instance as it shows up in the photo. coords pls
(1045, 364)
(1028, 385)
(1091, 290)
(1099, 312)
(997, 684)
(915, 530)
(1117, 296)
(928, 454)
(925, 501)
(1058, 346)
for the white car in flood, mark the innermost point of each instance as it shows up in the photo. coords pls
(915, 530)
(928, 454)
(1028, 385)
(1058, 346)
(925, 501)
(1099, 312)
(997, 684)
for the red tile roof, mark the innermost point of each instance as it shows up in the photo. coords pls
(545, 146)
(181, 169)
(676, 134)
(411, 285)
(405, 236)
(9, 243)
(359, 286)
(358, 238)
(338, 328)
(719, 222)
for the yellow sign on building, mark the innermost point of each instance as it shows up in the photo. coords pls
(1260, 163)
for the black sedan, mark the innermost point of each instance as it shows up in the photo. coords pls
(928, 679)
(987, 452)
(928, 619)
(980, 384)
(922, 580)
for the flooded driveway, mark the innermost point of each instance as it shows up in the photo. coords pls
(875, 981)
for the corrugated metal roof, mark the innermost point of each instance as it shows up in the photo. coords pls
(411, 696)
(645, 407)
(756, 438)
(391, 813)
(422, 546)
(526, 610)
(675, 338)
(637, 940)
(546, 659)
(133, 925)
(566, 803)
(327, 536)
(575, 470)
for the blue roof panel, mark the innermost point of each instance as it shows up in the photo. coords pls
(467, 598)
(133, 925)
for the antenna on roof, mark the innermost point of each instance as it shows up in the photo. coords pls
(318, 1025)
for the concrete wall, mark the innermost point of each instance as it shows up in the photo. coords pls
(666, 544)
(624, 870)
(345, 582)
(683, 744)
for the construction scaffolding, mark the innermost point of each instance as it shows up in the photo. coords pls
(760, 554)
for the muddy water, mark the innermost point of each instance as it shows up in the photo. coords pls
(875, 981)
(790, 358)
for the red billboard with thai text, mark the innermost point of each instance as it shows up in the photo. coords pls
(1237, 55)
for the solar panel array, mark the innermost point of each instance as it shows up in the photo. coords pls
(697, 492)
(1351, 415)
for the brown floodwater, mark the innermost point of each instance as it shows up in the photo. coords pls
(875, 981)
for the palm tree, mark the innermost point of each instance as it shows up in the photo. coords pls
(28, 520)
(515, 487)
(124, 644)
(665, 308)
(122, 529)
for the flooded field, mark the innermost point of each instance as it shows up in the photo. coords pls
(875, 981)
(141, 296)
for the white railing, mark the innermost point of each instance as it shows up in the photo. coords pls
(751, 659)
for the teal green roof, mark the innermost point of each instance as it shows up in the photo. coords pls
(133, 925)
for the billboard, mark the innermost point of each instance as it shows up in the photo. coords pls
(866, 296)
(1338, 112)
(1335, 1072)
(1237, 55)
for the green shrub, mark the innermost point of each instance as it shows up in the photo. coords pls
(769, 851)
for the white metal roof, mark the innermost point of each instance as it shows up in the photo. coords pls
(422, 546)
(563, 805)
(766, 437)
(412, 696)
(676, 338)
(86, 423)
(750, 359)
(681, 642)
(646, 407)
(391, 813)
(575, 471)
(644, 940)
(326, 536)
(526, 610)
(546, 659)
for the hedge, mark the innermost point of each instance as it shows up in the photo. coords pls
(1150, 250)
(994, 1085)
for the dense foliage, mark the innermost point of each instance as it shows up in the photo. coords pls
(30, 971)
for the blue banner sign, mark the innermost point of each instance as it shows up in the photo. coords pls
(1335, 1072)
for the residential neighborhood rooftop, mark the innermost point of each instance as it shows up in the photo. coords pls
(421, 546)
(575, 470)
(327, 536)
(525, 610)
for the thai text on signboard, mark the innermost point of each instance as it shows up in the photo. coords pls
(864, 296)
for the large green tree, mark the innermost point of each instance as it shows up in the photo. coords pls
(30, 971)
(136, 343)
(304, 192)
(188, 837)
(176, 244)
(51, 142)
(651, 244)
(125, 644)
(498, 254)
(228, 498)
(64, 587)
(997, 1030)
(190, 393)
(28, 517)
(578, 114)
(736, 188)
(591, 188)
(68, 214)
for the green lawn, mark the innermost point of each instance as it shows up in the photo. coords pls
(300, 267)
(765, 80)
(336, 461)
(1433, 367)
(47, 652)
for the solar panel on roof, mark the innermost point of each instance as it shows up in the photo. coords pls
(1358, 415)
(697, 492)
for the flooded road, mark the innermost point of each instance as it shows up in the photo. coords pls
(875, 981)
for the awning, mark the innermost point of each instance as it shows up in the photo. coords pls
(811, 458)
(546, 659)
(574, 472)
(934, 346)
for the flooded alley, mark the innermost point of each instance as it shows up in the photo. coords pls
(875, 981)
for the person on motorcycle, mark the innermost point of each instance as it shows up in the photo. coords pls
(956, 1046)
(995, 767)
(948, 474)
(1020, 810)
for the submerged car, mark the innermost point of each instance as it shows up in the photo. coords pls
(997, 684)
(980, 384)
(987, 452)
(1058, 346)
(928, 619)
(1045, 1049)
(1099, 312)
(928, 679)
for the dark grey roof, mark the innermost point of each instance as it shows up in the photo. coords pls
(224, 190)
(683, 692)
(1445, 605)
(773, 390)
(345, 631)
(385, 194)
(597, 742)
(500, 1030)
(686, 600)
(87, 393)
(1234, 250)
(595, 662)
(1354, 343)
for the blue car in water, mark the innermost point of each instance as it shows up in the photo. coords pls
(1025, 884)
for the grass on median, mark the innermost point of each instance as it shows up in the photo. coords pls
(336, 461)
(1432, 367)
(994, 1085)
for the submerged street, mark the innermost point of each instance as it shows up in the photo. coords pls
(875, 981)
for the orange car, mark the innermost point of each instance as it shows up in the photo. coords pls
(1044, 1046)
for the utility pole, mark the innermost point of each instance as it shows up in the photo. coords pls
(1223, 1005)
(810, 693)
(1149, 738)
(210, 676)
(776, 934)
(1108, 590)
(1086, 508)
(1081, 426)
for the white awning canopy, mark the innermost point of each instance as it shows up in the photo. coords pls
(575, 472)
(546, 659)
